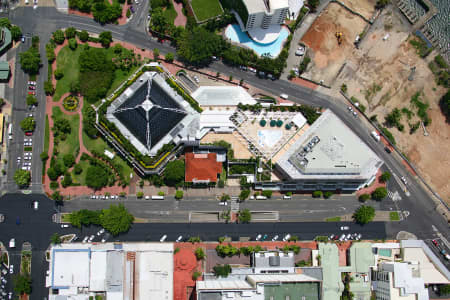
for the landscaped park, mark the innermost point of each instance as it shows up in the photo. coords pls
(81, 75)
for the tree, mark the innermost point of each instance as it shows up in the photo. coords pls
(155, 53)
(58, 36)
(22, 178)
(69, 160)
(4, 22)
(55, 239)
(170, 57)
(44, 156)
(225, 197)
(116, 219)
(244, 195)
(385, 177)
(56, 196)
(139, 195)
(245, 216)
(444, 289)
(30, 60)
(200, 254)
(178, 194)
(222, 270)
(379, 194)
(174, 173)
(327, 194)
(105, 38)
(267, 193)
(364, 197)
(381, 4)
(198, 45)
(59, 74)
(52, 174)
(48, 88)
(83, 35)
(73, 43)
(67, 180)
(364, 214)
(31, 100)
(16, 33)
(70, 33)
(96, 177)
(28, 124)
(77, 169)
(317, 194)
(22, 284)
(313, 4)
(158, 22)
(196, 275)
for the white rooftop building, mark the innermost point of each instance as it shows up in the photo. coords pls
(116, 271)
(222, 96)
(328, 156)
(265, 13)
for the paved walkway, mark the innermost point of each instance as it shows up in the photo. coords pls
(181, 19)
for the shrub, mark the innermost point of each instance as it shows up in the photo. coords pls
(77, 169)
(70, 33)
(385, 177)
(200, 254)
(222, 270)
(170, 57)
(364, 197)
(59, 74)
(83, 35)
(139, 195)
(262, 123)
(58, 36)
(267, 193)
(73, 44)
(379, 194)
(327, 194)
(178, 194)
(244, 195)
(196, 275)
(317, 194)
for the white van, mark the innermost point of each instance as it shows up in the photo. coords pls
(261, 197)
(35, 205)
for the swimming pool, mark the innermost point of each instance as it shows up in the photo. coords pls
(384, 252)
(234, 33)
(269, 138)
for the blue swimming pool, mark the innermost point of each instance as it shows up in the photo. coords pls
(234, 33)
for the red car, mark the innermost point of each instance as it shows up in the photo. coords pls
(31, 93)
(29, 133)
(435, 242)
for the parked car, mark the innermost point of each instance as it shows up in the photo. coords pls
(101, 231)
(85, 239)
(300, 51)
(286, 237)
(404, 180)
(275, 238)
(163, 238)
(264, 237)
(11, 269)
(29, 133)
(284, 96)
(435, 242)
(387, 149)
(258, 237)
(179, 239)
(64, 225)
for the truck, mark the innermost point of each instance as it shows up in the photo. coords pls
(12, 243)
(375, 135)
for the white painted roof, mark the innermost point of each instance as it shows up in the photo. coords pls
(299, 120)
(97, 276)
(223, 285)
(222, 96)
(428, 271)
(70, 268)
(216, 118)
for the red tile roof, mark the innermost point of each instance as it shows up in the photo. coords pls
(202, 167)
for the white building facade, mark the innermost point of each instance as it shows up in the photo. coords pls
(264, 13)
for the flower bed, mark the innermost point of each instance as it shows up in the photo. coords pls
(70, 103)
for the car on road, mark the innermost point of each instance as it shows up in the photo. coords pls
(179, 239)
(11, 269)
(163, 238)
(29, 133)
(91, 238)
(345, 228)
(264, 237)
(31, 93)
(23, 39)
(32, 87)
(332, 237)
(284, 96)
(342, 237)
(349, 236)
(275, 238)
(85, 239)
(404, 180)
(355, 114)
(147, 197)
(258, 237)
(223, 203)
(10, 295)
(31, 82)
(64, 225)
(286, 237)
(300, 51)
(101, 231)
(387, 150)
(435, 242)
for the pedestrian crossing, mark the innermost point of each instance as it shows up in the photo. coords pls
(395, 196)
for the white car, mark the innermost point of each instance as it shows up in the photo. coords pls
(10, 295)
(64, 225)
(284, 96)
(223, 203)
(163, 238)
(147, 197)
(179, 239)
(101, 231)
(103, 240)
(345, 228)
(258, 237)
(11, 269)
(85, 239)
(91, 238)
(404, 180)
(275, 238)
(286, 237)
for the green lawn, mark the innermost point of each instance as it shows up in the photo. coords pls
(205, 9)
(71, 144)
(170, 14)
(333, 219)
(393, 216)
(80, 178)
(67, 61)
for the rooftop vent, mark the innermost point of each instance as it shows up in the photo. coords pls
(274, 261)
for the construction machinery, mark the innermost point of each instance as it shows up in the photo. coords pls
(339, 37)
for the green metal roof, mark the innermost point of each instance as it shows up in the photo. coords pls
(4, 70)
(6, 39)
(332, 282)
(311, 291)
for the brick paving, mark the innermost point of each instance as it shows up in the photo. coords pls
(375, 184)
(181, 19)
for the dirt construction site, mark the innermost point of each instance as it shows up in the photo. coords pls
(326, 53)
(384, 74)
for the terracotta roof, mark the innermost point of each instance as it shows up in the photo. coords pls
(202, 167)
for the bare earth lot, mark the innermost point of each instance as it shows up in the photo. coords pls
(326, 55)
(364, 7)
(377, 75)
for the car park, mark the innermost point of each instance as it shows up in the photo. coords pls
(275, 238)
(163, 238)
(179, 239)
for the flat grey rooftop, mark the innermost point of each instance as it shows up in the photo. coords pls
(329, 148)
